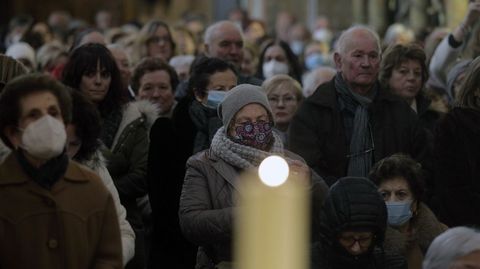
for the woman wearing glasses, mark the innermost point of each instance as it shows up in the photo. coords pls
(411, 224)
(155, 40)
(353, 221)
(208, 197)
(284, 95)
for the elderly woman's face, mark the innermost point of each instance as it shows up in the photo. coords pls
(469, 261)
(155, 86)
(33, 107)
(395, 190)
(284, 103)
(406, 79)
(251, 113)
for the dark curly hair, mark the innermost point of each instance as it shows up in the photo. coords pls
(400, 165)
(86, 119)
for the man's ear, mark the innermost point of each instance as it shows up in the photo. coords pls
(338, 61)
(13, 136)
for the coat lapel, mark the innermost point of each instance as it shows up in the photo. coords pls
(226, 170)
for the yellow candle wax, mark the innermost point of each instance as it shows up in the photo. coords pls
(272, 221)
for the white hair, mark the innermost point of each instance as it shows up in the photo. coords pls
(315, 78)
(345, 39)
(451, 245)
(180, 60)
(211, 31)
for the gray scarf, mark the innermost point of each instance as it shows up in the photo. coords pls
(241, 156)
(361, 142)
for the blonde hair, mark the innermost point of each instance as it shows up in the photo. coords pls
(282, 80)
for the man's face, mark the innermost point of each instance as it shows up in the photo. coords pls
(360, 62)
(226, 44)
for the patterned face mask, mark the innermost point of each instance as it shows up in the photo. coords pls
(254, 134)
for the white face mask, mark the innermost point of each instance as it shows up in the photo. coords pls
(44, 138)
(274, 68)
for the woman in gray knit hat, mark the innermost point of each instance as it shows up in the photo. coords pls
(244, 140)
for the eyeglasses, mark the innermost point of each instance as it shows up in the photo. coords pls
(288, 99)
(349, 241)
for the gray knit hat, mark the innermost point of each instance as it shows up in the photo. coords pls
(239, 97)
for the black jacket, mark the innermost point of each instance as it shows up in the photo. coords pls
(317, 132)
(171, 144)
(353, 203)
(457, 167)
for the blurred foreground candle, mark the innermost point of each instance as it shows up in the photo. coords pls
(272, 222)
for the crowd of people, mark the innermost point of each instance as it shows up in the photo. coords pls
(122, 145)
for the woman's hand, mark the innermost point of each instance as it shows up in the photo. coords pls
(300, 171)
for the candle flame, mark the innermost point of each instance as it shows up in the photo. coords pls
(273, 171)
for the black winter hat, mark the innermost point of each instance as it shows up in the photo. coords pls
(353, 203)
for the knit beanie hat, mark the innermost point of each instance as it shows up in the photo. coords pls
(22, 50)
(237, 98)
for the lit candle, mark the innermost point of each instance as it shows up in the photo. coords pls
(272, 221)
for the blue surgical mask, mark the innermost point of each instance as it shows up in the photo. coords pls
(215, 98)
(297, 47)
(313, 61)
(399, 212)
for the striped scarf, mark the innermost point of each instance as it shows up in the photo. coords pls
(361, 142)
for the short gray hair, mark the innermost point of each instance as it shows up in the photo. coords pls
(345, 38)
(451, 245)
(211, 31)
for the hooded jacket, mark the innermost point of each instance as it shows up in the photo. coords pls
(353, 204)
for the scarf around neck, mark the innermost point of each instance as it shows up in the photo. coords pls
(241, 156)
(46, 175)
(361, 142)
(206, 122)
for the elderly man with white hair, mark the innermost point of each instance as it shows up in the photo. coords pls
(456, 248)
(350, 122)
(224, 40)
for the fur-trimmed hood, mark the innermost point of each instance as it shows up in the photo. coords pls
(426, 227)
(135, 110)
(95, 161)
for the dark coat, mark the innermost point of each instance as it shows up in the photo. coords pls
(171, 144)
(457, 167)
(317, 132)
(428, 118)
(73, 225)
(353, 203)
(207, 203)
